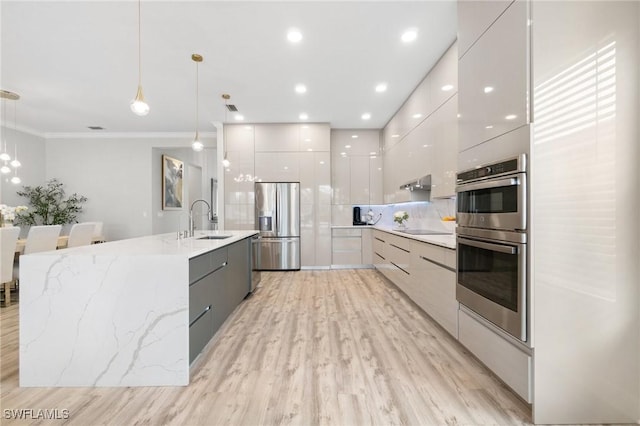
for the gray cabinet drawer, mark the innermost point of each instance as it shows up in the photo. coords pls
(206, 263)
(200, 332)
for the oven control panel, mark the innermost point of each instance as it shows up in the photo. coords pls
(514, 165)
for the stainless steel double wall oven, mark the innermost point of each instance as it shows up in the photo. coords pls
(492, 243)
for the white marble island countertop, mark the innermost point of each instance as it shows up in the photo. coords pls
(111, 314)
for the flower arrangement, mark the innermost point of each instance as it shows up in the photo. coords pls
(8, 213)
(400, 217)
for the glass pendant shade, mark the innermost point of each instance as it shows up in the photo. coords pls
(16, 180)
(138, 105)
(196, 145)
(225, 161)
(5, 157)
(15, 163)
(5, 169)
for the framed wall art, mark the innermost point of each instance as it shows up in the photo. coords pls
(172, 181)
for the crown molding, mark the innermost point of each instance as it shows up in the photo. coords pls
(127, 135)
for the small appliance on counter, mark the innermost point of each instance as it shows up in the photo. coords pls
(357, 217)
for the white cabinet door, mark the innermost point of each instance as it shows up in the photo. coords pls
(443, 178)
(341, 179)
(239, 137)
(278, 167)
(474, 17)
(277, 137)
(359, 185)
(376, 180)
(443, 79)
(493, 96)
(315, 137)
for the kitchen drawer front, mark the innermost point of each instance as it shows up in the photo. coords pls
(510, 364)
(206, 263)
(201, 295)
(200, 332)
(438, 293)
(398, 251)
(346, 232)
(441, 255)
(347, 244)
(379, 235)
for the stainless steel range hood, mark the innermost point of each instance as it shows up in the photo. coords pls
(420, 184)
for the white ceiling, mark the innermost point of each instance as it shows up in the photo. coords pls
(74, 63)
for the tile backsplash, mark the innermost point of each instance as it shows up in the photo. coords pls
(422, 214)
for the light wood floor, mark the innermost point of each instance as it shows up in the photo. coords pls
(308, 348)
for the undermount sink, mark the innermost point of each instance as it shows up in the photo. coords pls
(214, 237)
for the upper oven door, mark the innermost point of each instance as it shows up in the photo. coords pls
(498, 203)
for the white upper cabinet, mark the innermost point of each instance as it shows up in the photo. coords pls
(443, 78)
(474, 17)
(494, 79)
(277, 137)
(445, 161)
(315, 137)
(359, 183)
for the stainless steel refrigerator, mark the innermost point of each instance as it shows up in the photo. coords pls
(277, 208)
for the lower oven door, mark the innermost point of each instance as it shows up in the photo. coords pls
(492, 281)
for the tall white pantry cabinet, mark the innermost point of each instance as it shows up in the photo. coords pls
(578, 109)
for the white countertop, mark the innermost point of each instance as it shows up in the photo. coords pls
(160, 244)
(447, 241)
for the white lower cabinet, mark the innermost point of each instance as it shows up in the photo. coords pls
(433, 271)
(423, 271)
(510, 363)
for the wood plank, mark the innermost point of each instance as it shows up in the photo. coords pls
(310, 347)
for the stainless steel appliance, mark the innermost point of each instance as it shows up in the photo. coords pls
(492, 274)
(494, 196)
(277, 214)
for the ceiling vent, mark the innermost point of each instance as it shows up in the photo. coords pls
(232, 108)
(96, 128)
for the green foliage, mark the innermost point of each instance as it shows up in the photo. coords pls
(48, 205)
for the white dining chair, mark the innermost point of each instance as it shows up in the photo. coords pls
(8, 242)
(97, 232)
(42, 238)
(81, 234)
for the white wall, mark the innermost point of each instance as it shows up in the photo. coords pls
(120, 177)
(585, 203)
(31, 153)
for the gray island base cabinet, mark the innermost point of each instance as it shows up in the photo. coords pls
(132, 312)
(218, 282)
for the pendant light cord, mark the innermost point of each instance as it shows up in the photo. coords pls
(197, 98)
(139, 44)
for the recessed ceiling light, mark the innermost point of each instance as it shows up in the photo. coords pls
(409, 35)
(489, 127)
(488, 89)
(418, 115)
(294, 36)
(347, 146)
(286, 167)
(238, 117)
(303, 116)
(366, 116)
(354, 136)
(395, 136)
(301, 88)
(511, 117)
(381, 87)
(447, 87)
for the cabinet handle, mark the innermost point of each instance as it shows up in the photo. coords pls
(378, 254)
(438, 264)
(207, 309)
(400, 268)
(399, 248)
(382, 241)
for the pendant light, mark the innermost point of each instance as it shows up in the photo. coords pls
(196, 145)
(15, 163)
(225, 161)
(138, 105)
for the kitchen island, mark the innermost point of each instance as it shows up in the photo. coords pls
(132, 312)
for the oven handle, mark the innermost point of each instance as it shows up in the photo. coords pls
(488, 246)
(488, 184)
